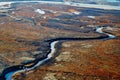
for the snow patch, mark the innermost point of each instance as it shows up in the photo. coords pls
(40, 11)
(5, 4)
(67, 3)
(109, 28)
(77, 13)
(92, 17)
(52, 11)
(44, 17)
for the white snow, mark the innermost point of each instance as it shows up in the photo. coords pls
(44, 17)
(67, 3)
(76, 12)
(40, 11)
(5, 4)
(53, 11)
(92, 17)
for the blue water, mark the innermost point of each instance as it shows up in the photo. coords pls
(112, 1)
(59, 0)
(30, 0)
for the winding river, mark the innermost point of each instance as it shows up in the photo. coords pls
(10, 71)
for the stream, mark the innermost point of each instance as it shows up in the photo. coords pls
(10, 71)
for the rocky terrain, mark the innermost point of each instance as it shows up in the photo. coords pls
(25, 26)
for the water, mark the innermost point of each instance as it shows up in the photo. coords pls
(9, 75)
(50, 55)
(112, 1)
(100, 30)
(31, 0)
(62, 0)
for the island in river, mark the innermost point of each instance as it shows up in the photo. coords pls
(26, 27)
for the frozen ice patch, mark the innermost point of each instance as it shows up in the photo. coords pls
(44, 17)
(76, 12)
(109, 28)
(67, 3)
(40, 11)
(5, 4)
(92, 17)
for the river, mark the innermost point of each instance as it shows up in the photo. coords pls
(10, 71)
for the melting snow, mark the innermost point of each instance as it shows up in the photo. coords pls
(77, 13)
(91, 17)
(109, 28)
(5, 4)
(44, 17)
(40, 11)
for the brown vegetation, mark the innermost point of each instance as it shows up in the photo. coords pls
(77, 60)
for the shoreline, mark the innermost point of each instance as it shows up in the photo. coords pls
(107, 7)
